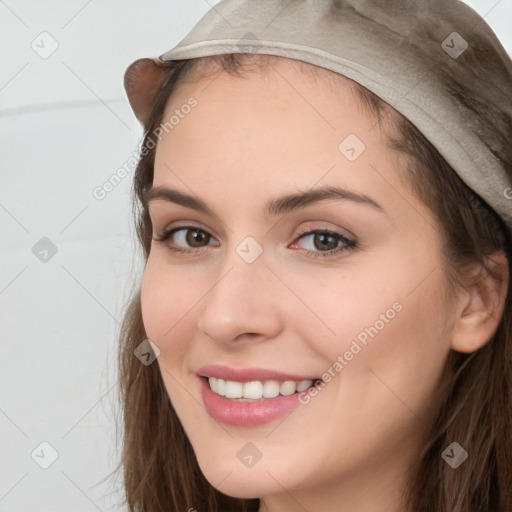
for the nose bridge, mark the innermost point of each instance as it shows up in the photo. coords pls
(242, 298)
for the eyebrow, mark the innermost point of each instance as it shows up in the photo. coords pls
(277, 206)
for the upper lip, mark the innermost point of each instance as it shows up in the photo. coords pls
(248, 374)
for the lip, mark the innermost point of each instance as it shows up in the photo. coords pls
(245, 414)
(248, 374)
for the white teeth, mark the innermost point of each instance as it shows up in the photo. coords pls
(233, 389)
(252, 389)
(256, 390)
(270, 389)
(221, 387)
(213, 384)
(288, 387)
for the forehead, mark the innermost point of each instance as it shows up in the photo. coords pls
(271, 75)
(253, 138)
(286, 111)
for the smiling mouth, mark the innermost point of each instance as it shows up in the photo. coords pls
(257, 390)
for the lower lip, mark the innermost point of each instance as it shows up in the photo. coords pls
(246, 414)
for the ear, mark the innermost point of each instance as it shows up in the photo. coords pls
(481, 306)
(142, 81)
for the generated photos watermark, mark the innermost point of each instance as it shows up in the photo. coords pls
(101, 191)
(356, 346)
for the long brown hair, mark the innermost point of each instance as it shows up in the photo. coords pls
(160, 469)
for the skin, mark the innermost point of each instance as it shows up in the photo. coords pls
(250, 140)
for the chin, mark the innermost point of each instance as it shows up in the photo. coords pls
(237, 481)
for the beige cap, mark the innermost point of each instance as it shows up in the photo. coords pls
(411, 53)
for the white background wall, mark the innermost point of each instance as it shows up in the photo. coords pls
(65, 128)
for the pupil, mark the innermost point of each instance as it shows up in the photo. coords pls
(323, 237)
(195, 237)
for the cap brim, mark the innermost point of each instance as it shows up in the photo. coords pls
(142, 81)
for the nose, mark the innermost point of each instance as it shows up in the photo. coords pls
(242, 303)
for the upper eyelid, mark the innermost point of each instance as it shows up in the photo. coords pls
(191, 225)
(347, 198)
(302, 233)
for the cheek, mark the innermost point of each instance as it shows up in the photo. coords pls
(390, 303)
(384, 329)
(167, 303)
(167, 297)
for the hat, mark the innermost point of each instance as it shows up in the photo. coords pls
(410, 53)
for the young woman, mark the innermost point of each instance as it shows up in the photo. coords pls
(324, 323)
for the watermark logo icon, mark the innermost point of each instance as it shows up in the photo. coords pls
(147, 352)
(454, 45)
(249, 249)
(454, 455)
(249, 455)
(247, 43)
(44, 250)
(352, 147)
(44, 45)
(44, 455)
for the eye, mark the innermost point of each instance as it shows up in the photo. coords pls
(325, 242)
(192, 239)
(184, 235)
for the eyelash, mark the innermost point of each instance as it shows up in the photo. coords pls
(349, 245)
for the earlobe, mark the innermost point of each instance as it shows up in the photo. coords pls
(481, 306)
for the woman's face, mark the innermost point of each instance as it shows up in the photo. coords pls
(341, 282)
